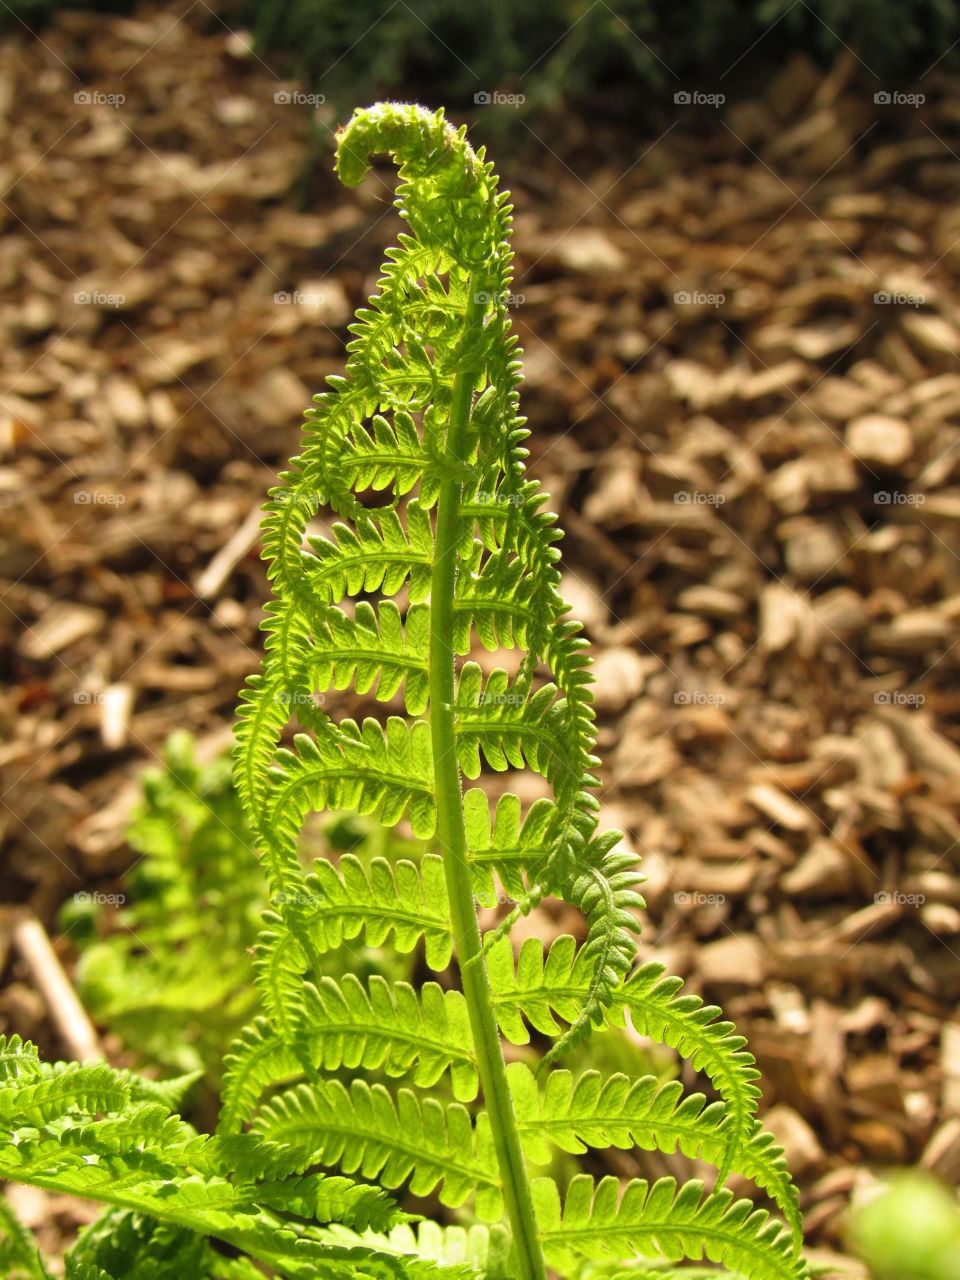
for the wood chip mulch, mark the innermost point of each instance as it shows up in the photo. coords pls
(742, 342)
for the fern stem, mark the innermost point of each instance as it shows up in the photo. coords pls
(452, 834)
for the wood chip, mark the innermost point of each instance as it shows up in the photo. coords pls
(780, 808)
(61, 625)
(879, 440)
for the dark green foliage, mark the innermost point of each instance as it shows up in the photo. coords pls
(557, 51)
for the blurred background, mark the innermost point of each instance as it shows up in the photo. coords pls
(738, 240)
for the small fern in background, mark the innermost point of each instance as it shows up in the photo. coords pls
(174, 976)
(19, 1253)
(419, 450)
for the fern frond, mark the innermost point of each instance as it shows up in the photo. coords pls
(374, 648)
(509, 846)
(420, 451)
(539, 989)
(366, 1129)
(20, 1257)
(495, 601)
(86, 1271)
(66, 1087)
(384, 426)
(391, 1028)
(402, 902)
(321, 1198)
(478, 1250)
(385, 1027)
(507, 726)
(334, 905)
(387, 773)
(658, 1221)
(258, 1059)
(279, 964)
(658, 1008)
(123, 1245)
(618, 1112)
(604, 888)
(92, 1132)
(19, 1060)
(378, 555)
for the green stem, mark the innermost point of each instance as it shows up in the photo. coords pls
(453, 838)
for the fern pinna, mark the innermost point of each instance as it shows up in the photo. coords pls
(419, 451)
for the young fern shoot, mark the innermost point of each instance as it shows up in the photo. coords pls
(419, 451)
